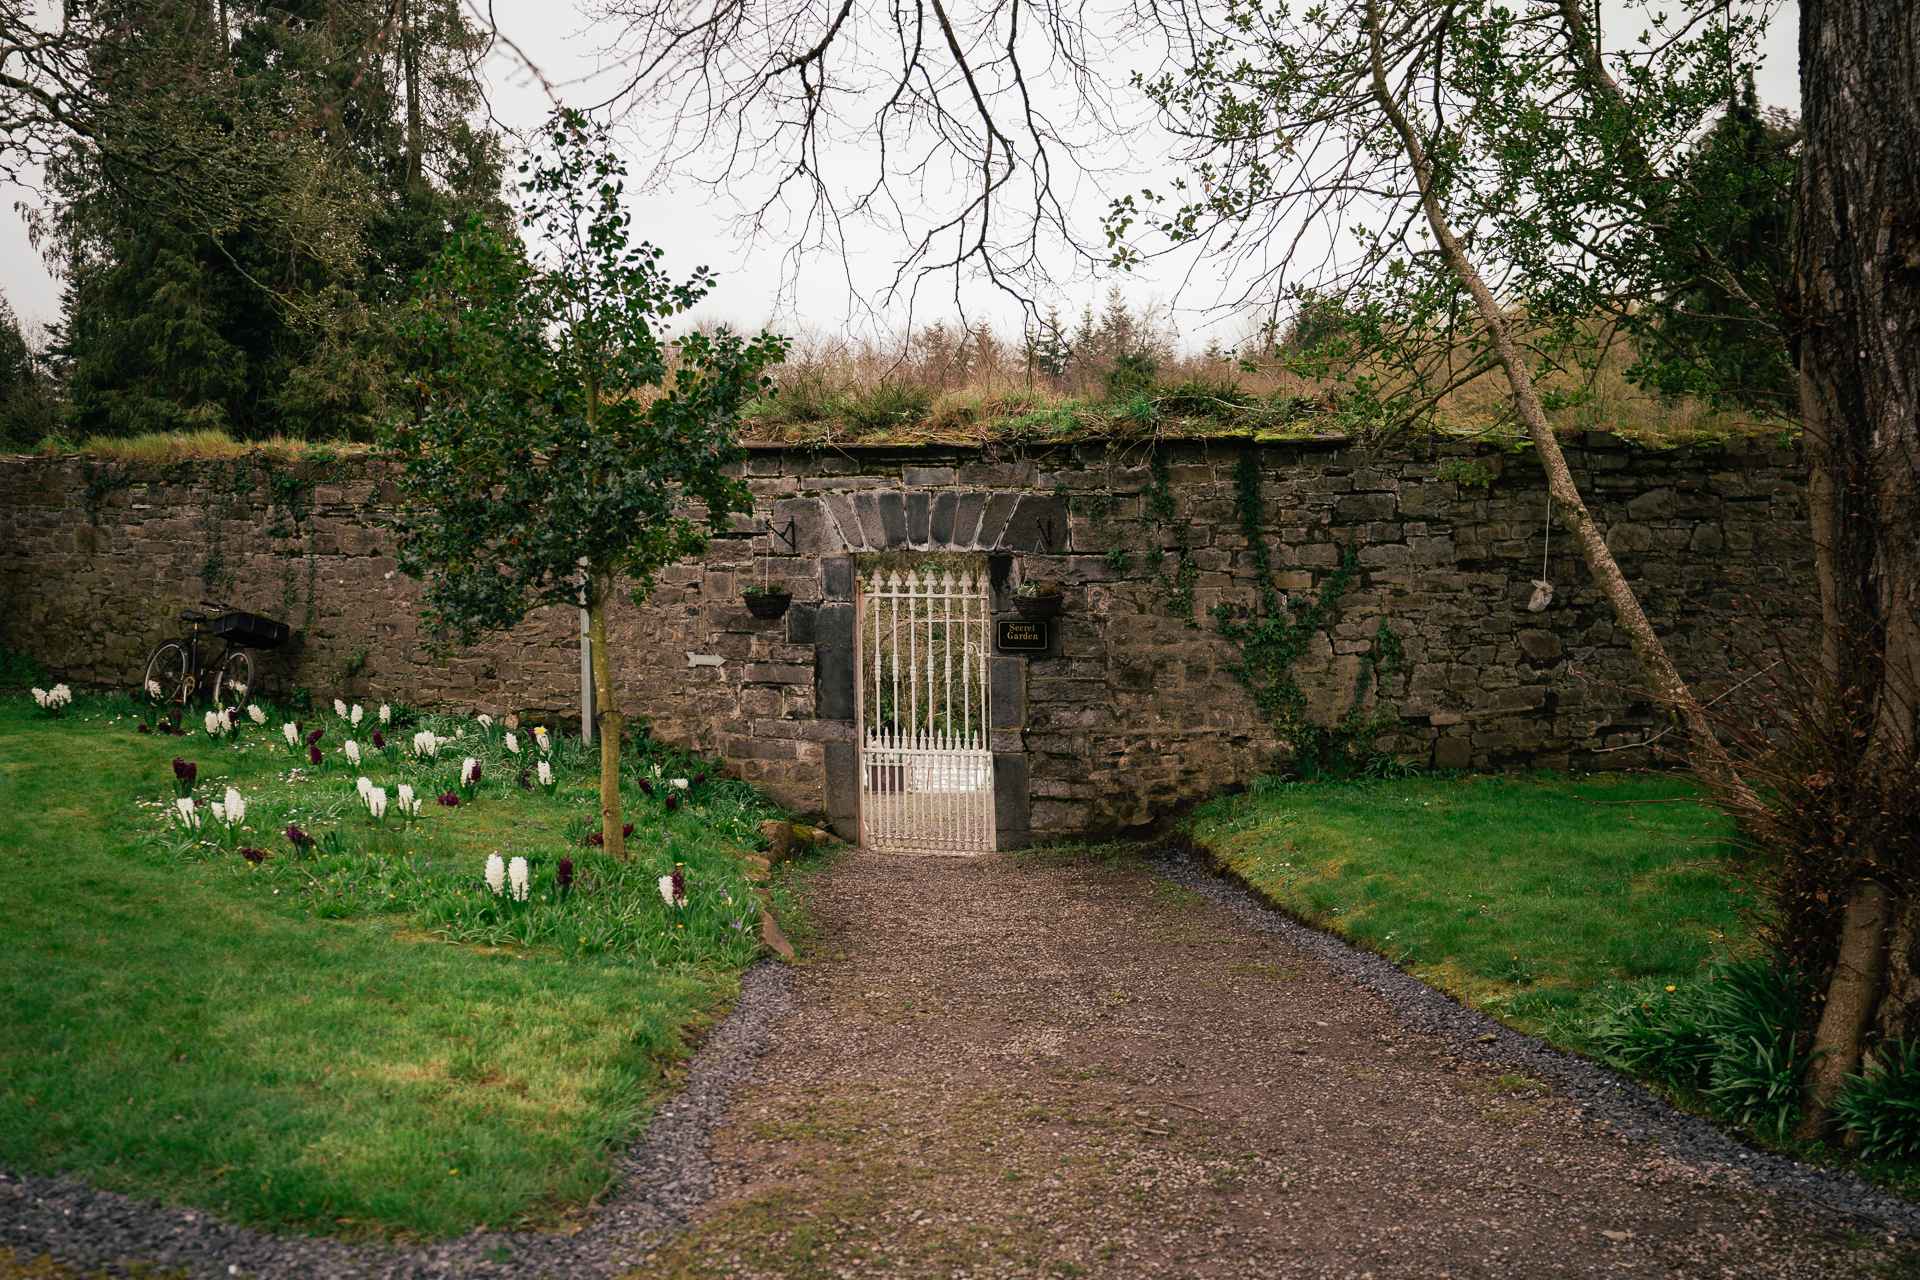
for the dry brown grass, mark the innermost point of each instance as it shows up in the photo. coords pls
(162, 447)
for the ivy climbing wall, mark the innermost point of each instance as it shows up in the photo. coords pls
(1231, 608)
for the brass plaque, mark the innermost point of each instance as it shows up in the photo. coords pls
(1020, 636)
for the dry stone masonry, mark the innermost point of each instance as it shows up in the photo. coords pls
(1130, 713)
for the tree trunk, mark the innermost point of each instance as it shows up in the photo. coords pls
(1665, 678)
(1852, 994)
(607, 719)
(1855, 298)
(410, 59)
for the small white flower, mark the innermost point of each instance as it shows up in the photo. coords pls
(153, 688)
(469, 771)
(546, 774)
(189, 816)
(496, 873)
(358, 711)
(340, 708)
(513, 745)
(59, 696)
(40, 695)
(364, 785)
(376, 798)
(352, 750)
(486, 721)
(517, 876)
(236, 808)
(256, 713)
(680, 783)
(386, 714)
(291, 732)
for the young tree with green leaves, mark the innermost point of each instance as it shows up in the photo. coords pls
(562, 441)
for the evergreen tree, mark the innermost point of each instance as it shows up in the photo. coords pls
(343, 154)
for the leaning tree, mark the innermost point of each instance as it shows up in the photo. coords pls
(562, 441)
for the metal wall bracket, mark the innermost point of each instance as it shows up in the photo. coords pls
(785, 535)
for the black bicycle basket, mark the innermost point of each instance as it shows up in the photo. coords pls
(250, 629)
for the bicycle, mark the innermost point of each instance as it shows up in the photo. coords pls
(175, 672)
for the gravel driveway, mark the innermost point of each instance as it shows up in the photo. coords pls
(1004, 1066)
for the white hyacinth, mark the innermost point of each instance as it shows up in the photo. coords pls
(216, 722)
(153, 688)
(425, 744)
(486, 721)
(256, 713)
(407, 803)
(517, 877)
(680, 783)
(358, 711)
(469, 771)
(386, 714)
(513, 745)
(546, 774)
(496, 873)
(363, 785)
(188, 815)
(352, 750)
(291, 732)
(59, 696)
(376, 799)
(340, 708)
(219, 811)
(666, 891)
(236, 808)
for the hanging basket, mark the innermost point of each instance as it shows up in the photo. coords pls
(1038, 608)
(768, 604)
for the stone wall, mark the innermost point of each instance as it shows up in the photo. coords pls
(1130, 713)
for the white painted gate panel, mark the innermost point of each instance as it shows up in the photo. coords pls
(926, 773)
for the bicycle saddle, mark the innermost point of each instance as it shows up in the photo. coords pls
(192, 615)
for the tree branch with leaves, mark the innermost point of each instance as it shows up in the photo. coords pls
(562, 440)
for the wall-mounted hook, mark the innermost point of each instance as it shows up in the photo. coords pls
(1046, 529)
(785, 535)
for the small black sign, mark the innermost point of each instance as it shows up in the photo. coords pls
(1020, 637)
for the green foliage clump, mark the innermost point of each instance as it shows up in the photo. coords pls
(1880, 1108)
(1199, 396)
(887, 404)
(1732, 1034)
(1131, 374)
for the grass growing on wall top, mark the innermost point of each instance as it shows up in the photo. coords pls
(297, 1044)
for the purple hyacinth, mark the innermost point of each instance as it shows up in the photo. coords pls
(379, 742)
(565, 873)
(185, 771)
(450, 800)
(673, 802)
(646, 787)
(313, 755)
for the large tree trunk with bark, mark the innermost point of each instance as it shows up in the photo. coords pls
(1856, 312)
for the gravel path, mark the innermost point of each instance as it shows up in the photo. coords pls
(988, 1067)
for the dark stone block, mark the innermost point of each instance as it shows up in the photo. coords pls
(1007, 692)
(1038, 526)
(800, 623)
(836, 578)
(840, 508)
(833, 682)
(833, 625)
(993, 524)
(1452, 753)
(1011, 799)
(843, 788)
(940, 524)
(966, 519)
(918, 513)
(892, 509)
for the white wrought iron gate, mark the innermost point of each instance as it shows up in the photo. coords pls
(926, 773)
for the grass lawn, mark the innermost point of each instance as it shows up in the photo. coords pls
(357, 1036)
(1544, 901)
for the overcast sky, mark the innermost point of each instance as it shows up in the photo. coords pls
(555, 35)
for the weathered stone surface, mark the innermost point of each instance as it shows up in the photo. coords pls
(1131, 713)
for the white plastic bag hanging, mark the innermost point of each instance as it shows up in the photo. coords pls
(1542, 589)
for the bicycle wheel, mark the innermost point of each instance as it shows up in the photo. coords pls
(233, 679)
(165, 679)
